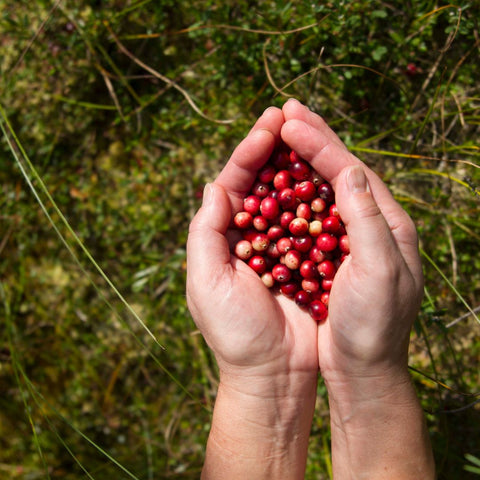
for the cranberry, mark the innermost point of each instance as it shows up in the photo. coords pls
(331, 224)
(261, 189)
(275, 232)
(243, 220)
(300, 170)
(281, 159)
(284, 244)
(333, 210)
(325, 191)
(318, 205)
(282, 180)
(258, 264)
(302, 243)
(327, 242)
(287, 199)
(267, 174)
(243, 249)
(269, 208)
(326, 269)
(315, 228)
(286, 218)
(316, 255)
(298, 226)
(302, 298)
(293, 259)
(318, 310)
(306, 191)
(311, 285)
(268, 280)
(289, 289)
(308, 269)
(344, 244)
(281, 273)
(251, 204)
(260, 223)
(260, 242)
(304, 211)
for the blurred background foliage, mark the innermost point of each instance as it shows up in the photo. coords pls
(114, 114)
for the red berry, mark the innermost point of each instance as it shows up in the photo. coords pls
(302, 243)
(298, 226)
(260, 223)
(269, 208)
(243, 249)
(251, 204)
(327, 284)
(243, 220)
(289, 289)
(286, 218)
(260, 242)
(281, 273)
(305, 191)
(327, 269)
(325, 191)
(311, 285)
(287, 199)
(275, 232)
(318, 205)
(333, 210)
(293, 259)
(267, 173)
(261, 189)
(272, 251)
(327, 242)
(318, 310)
(302, 298)
(280, 159)
(316, 255)
(284, 244)
(304, 211)
(294, 157)
(344, 244)
(308, 269)
(258, 264)
(331, 225)
(282, 180)
(325, 297)
(300, 170)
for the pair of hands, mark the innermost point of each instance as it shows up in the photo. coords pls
(376, 292)
(269, 351)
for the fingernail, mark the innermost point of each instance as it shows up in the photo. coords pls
(207, 195)
(357, 180)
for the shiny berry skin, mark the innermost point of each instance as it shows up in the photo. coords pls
(298, 226)
(267, 174)
(308, 269)
(304, 211)
(302, 298)
(284, 244)
(281, 273)
(318, 310)
(327, 242)
(275, 232)
(261, 189)
(269, 208)
(325, 191)
(282, 180)
(300, 170)
(243, 249)
(316, 255)
(287, 199)
(315, 228)
(286, 218)
(289, 289)
(302, 243)
(318, 205)
(333, 210)
(243, 220)
(260, 242)
(325, 297)
(294, 157)
(310, 285)
(344, 244)
(258, 264)
(293, 259)
(327, 269)
(281, 160)
(272, 251)
(268, 280)
(327, 284)
(260, 223)
(251, 204)
(305, 191)
(331, 224)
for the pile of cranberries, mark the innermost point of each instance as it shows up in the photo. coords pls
(292, 234)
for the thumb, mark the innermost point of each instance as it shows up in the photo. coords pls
(369, 234)
(207, 246)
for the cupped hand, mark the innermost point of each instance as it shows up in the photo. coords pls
(251, 332)
(378, 289)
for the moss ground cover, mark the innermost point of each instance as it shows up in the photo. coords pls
(113, 116)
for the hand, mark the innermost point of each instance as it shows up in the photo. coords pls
(377, 425)
(378, 289)
(265, 347)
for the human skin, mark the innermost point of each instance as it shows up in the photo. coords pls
(269, 352)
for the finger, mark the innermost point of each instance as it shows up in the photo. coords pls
(208, 252)
(372, 240)
(251, 154)
(293, 109)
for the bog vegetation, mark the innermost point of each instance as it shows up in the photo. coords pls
(114, 114)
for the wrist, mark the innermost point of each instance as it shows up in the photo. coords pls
(261, 426)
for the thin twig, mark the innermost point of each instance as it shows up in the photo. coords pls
(462, 317)
(163, 78)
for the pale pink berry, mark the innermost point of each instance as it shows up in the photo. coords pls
(243, 249)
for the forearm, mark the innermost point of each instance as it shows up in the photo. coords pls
(379, 431)
(261, 434)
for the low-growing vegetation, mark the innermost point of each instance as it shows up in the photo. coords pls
(113, 116)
